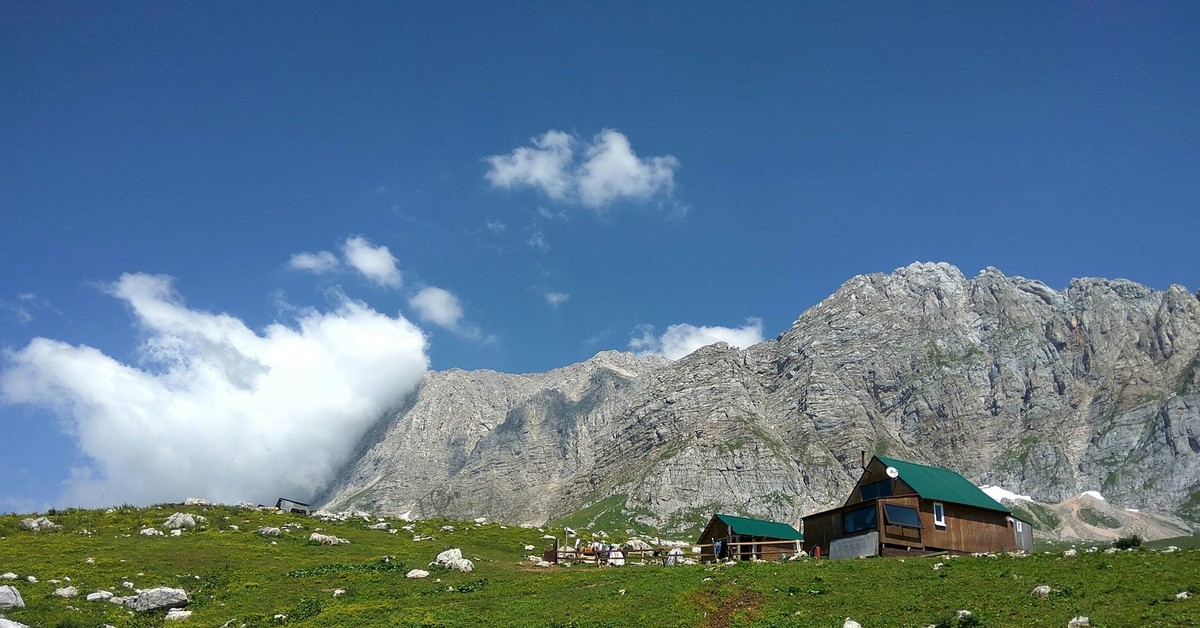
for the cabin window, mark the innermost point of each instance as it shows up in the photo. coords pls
(901, 516)
(939, 515)
(882, 488)
(859, 520)
(1018, 525)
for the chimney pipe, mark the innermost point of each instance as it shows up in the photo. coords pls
(862, 458)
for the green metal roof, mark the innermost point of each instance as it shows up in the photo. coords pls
(942, 484)
(761, 527)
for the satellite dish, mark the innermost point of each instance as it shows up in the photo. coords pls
(893, 472)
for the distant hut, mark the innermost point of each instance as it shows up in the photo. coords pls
(900, 508)
(743, 538)
(291, 505)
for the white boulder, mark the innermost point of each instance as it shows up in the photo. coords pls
(99, 595)
(10, 597)
(1042, 590)
(39, 524)
(850, 623)
(183, 520)
(1079, 622)
(176, 614)
(453, 559)
(8, 575)
(8, 623)
(265, 531)
(151, 532)
(156, 599)
(66, 592)
(196, 501)
(326, 539)
(382, 525)
(417, 573)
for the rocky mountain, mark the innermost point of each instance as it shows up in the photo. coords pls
(1045, 392)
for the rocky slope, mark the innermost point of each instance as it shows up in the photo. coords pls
(1048, 393)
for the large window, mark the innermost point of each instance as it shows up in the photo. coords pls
(859, 520)
(882, 488)
(901, 516)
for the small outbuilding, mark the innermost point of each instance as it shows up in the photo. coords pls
(900, 508)
(291, 505)
(743, 538)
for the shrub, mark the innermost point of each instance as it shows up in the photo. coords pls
(1128, 542)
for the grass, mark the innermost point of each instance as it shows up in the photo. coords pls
(1096, 518)
(235, 577)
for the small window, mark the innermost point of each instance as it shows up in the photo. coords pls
(1018, 525)
(901, 516)
(939, 515)
(882, 488)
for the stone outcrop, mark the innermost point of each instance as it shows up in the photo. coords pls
(181, 520)
(39, 524)
(1045, 392)
(453, 559)
(156, 599)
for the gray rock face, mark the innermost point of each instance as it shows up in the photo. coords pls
(1044, 392)
(10, 597)
(157, 599)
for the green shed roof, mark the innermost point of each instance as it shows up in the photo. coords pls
(761, 527)
(942, 484)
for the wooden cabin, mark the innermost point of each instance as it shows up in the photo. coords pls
(743, 538)
(900, 508)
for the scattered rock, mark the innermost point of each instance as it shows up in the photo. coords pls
(1079, 622)
(91, 561)
(8, 576)
(265, 531)
(850, 623)
(151, 532)
(447, 528)
(183, 520)
(38, 525)
(197, 501)
(99, 595)
(1171, 549)
(127, 584)
(383, 525)
(529, 548)
(8, 623)
(339, 592)
(234, 528)
(480, 519)
(31, 579)
(176, 614)
(326, 539)
(10, 597)
(417, 573)
(963, 614)
(156, 599)
(280, 617)
(453, 559)
(1183, 595)
(1069, 553)
(176, 532)
(1042, 590)
(118, 600)
(66, 592)
(938, 566)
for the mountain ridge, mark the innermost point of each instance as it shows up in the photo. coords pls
(1045, 392)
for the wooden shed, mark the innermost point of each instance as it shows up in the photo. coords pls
(900, 508)
(743, 538)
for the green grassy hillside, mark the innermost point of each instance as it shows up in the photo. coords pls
(234, 577)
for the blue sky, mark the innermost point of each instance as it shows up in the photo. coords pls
(517, 187)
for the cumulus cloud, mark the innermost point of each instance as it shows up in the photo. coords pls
(215, 409)
(681, 339)
(375, 262)
(319, 263)
(608, 171)
(437, 306)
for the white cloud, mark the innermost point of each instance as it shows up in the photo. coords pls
(320, 262)
(556, 299)
(609, 171)
(612, 171)
(543, 166)
(681, 339)
(495, 226)
(215, 409)
(375, 262)
(437, 306)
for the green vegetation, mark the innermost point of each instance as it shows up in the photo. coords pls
(1187, 378)
(1096, 518)
(235, 577)
(1128, 542)
(1039, 516)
